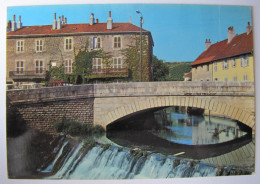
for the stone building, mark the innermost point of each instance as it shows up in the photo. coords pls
(32, 49)
(228, 60)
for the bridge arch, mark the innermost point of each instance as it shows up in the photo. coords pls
(228, 110)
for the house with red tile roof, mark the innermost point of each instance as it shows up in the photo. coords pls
(32, 49)
(228, 60)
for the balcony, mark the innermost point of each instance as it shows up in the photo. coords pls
(109, 72)
(27, 74)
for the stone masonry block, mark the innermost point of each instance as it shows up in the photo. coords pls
(230, 111)
(234, 114)
(198, 102)
(203, 103)
(247, 115)
(239, 112)
(191, 101)
(195, 100)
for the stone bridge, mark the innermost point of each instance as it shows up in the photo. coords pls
(105, 103)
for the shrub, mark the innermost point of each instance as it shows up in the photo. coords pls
(73, 129)
(98, 129)
(58, 126)
(86, 129)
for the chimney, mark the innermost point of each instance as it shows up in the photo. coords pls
(19, 24)
(62, 19)
(109, 21)
(9, 26)
(231, 33)
(59, 24)
(92, 20)
(54, 24)
(97, 21)
(248, 28)
(13, 24)
(207, 44)
(65, 20)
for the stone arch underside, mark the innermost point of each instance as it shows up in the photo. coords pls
(231, 110)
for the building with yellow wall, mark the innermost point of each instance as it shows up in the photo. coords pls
(228, 60)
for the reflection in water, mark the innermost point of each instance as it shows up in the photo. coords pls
(195, 130)
(174, 132)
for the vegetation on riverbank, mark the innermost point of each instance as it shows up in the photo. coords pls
(74, 128)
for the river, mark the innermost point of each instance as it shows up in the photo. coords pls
(170, 147)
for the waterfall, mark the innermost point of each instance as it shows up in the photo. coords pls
(72, 162)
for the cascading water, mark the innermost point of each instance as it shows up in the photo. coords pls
(114, 162)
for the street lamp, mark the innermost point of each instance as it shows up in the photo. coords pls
(141, 22)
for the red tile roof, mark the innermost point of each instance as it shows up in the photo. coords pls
(75, 28)
(240, 44)
(189, 74)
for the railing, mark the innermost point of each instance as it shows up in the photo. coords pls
(109, 71)
(27, 74)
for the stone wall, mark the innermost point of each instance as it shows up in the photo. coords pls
(43, 115)
(202, 72)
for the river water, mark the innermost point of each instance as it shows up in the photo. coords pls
(132, 153)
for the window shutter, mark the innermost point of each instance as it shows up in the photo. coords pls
(91, 42)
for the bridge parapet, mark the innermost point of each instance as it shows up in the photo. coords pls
(176, 89)
(133, 90)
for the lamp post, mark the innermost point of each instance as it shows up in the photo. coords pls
(141, 22)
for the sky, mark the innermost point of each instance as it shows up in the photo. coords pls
(179, 31)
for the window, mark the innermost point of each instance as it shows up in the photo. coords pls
(117, 42)
(38, 45)
(19, 66)
(39, 68)
(216, 79)
(235, 78)
(68, 66)
(96, 43)
(225, 64)
(215, 67)
(68, 44)
(245, 78)
(53, 63)
(207, 67)
(20, 46)
(244, 61)
(97, 64)
(233, 62)
(117, 63)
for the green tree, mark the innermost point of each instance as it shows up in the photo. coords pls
(82, 65)
(160, 70)
(177, 70)
(56, 73)
(132, 54)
